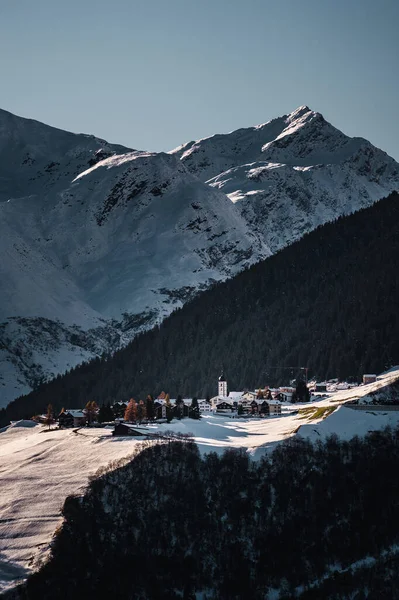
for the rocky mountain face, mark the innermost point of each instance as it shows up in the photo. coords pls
(99, 241)
(292, 174)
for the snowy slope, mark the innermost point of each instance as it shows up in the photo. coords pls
(292, 174)
(28, 455)
(98, 242)
(346, 423)
(38, 470)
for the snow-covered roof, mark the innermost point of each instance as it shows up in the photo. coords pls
(75, 413)
(23, 423)
(235, 394)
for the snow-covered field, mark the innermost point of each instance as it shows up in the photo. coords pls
(39, 468)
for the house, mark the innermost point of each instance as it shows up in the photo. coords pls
(65, 419)
(224, 407)
(41, 419)
(126, 430)
(160, 410)
(254, 408)
(320, 387)
(74, 417)
(263, 407)
(285, 394)
(274, 407)
(249, 396)
(369, 378)
(204, 406)
(235, 397)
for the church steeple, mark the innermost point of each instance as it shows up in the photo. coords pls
(222, 385)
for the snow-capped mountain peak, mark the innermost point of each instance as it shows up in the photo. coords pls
(292, 173)
(102, 241)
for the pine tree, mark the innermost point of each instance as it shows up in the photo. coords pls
(141, 411)
(194, 409)
(169, 413)
(179, 407)
(109, 412)
(131, 411)
(149, 405)
(102, 414)
(302, 393)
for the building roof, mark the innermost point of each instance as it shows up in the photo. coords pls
(235, 394)
(222, 378)
(75, 413)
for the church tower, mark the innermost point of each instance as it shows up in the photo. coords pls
(222, 386)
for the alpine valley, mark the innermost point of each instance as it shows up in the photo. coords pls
(99, 242)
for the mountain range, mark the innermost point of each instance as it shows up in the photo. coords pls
(100, 242)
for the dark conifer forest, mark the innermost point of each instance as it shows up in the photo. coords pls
(328, 302)
(171, 525)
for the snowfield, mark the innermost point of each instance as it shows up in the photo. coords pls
(40, 468)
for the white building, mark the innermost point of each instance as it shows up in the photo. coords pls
(222, 386)
(204, 406)
(274, 407)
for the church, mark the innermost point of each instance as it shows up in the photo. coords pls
(242, 402)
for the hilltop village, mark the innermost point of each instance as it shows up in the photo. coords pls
(258, 403)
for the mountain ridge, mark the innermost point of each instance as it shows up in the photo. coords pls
(103, 241)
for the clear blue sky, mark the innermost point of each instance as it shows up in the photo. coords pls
(156, 73)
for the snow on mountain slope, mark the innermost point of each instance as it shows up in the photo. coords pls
(98, 242)
(292, 174)
(38, 470)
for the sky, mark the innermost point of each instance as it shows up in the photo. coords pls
(156, 73)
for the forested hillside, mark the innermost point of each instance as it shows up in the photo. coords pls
(328, 302)
(171, 525)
